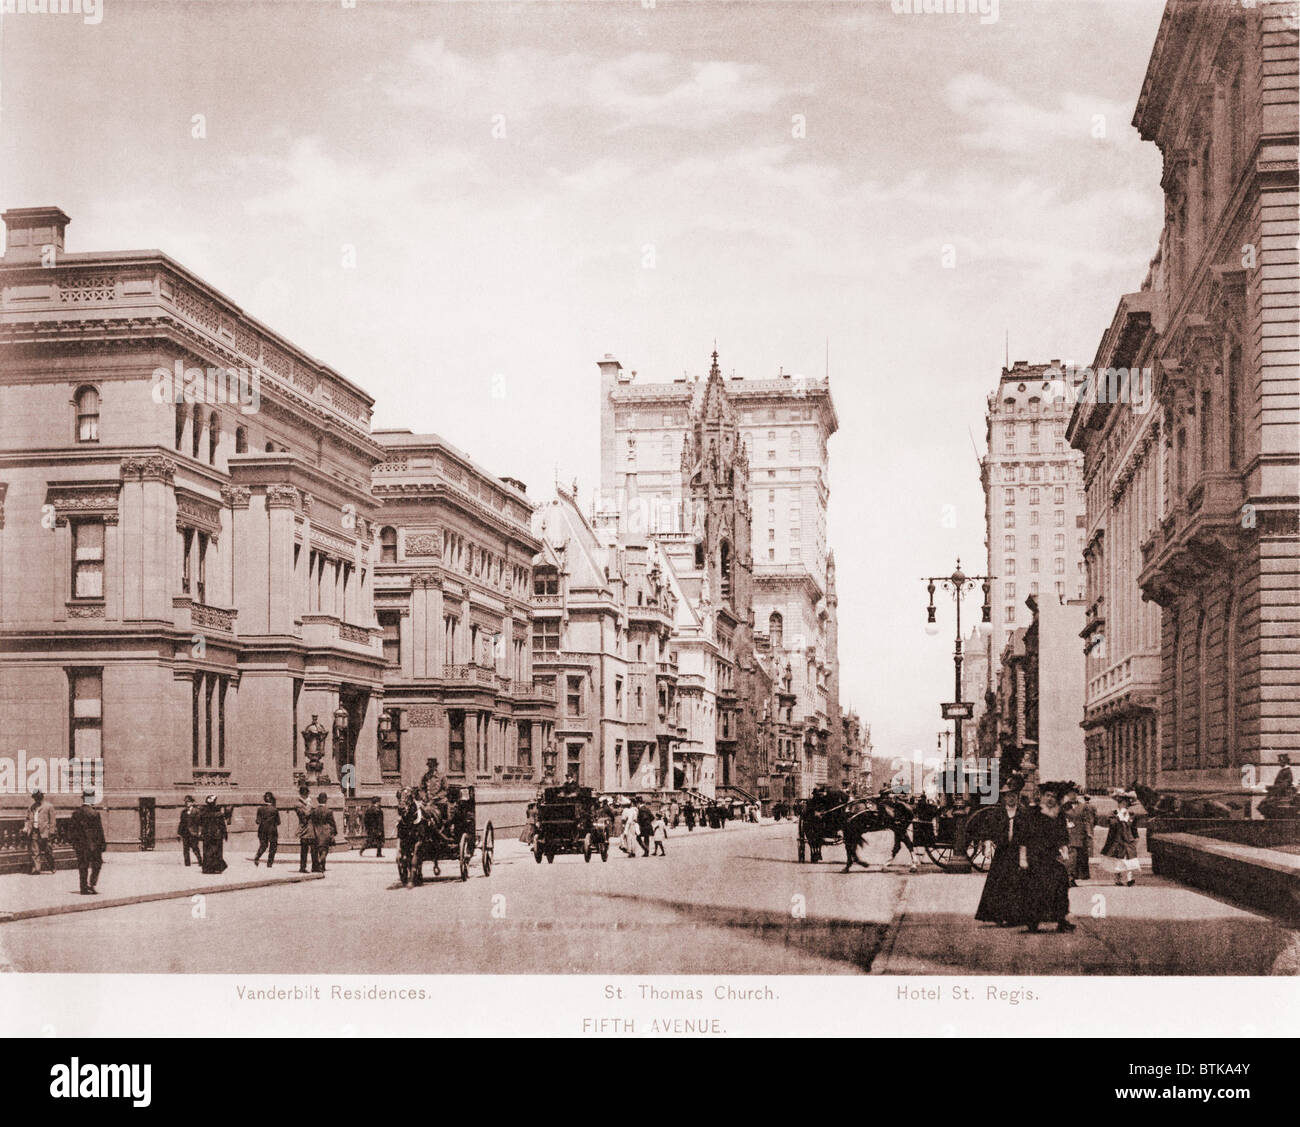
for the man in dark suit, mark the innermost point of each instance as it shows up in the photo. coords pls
(86, 833)
(303, 810)
(645, 824)
(188, 830)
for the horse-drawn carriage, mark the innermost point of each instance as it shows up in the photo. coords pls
(568, 819)
(833, 817)
(437, 832)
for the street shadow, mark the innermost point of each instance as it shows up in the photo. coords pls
(853, 942)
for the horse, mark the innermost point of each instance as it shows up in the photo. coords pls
(871, 816)
(1173, 806)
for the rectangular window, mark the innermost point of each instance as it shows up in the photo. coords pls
(1010, 615)
(201, 587)
(618, 696)
(187, 542)
(391, 623)
(1011, 567)
(456, 742)
(1009, 520)
(573, 761)
(546, 636)
(1060, 518)
(85, 713)
(795, 553)
(1058, 566)
(1008, 543)
(1058, 541)
(88, 559)
(524, 754)
(573, 696)
(1011, 592)
(1058, 496)
(1033, 565)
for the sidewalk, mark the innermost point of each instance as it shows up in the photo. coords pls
(133, 878)
(1155, 927)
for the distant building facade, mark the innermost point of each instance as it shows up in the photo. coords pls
(453, 599)
(1123, 485)
(782, 427)
(1033, 497)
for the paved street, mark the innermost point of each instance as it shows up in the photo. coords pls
(730, 901)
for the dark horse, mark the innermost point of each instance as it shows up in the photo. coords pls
(888, 812)
(1172, 806)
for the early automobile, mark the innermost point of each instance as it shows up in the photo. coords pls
(569, 819)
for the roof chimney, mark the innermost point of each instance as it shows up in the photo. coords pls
(34, 234)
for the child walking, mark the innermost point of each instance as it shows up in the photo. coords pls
(1121, 841)
(660, 834)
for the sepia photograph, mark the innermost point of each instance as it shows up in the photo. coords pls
(845, 453)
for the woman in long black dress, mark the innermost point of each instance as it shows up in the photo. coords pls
(1047, 887)
(212, 829)
(1002, 902)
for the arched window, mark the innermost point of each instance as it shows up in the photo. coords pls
(776, 631)
(87, 401)
(214, 437)
(181, 412)
(388, 545)
(241, 440)
(724, 569)
(270, 447)
(196, 443)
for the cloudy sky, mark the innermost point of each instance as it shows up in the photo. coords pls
(796, 169)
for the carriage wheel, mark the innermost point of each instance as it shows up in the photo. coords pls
(586, 849)
(489, 848)
(463, 853)
(979, 844)
(537, 850)
(940, 852)
(604, 850)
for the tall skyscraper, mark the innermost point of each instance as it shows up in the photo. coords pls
(783, 426)
(1033, 496)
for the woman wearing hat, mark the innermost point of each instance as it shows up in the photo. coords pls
(212, 831)
(1121, 840)
(1002, 901)
(1047, 883)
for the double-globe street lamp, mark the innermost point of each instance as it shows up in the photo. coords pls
(959, 585)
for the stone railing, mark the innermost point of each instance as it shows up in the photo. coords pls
(192, 615)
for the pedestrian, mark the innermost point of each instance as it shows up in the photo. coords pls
(39, 828)
(323, 830)
(688, 816)
(188, 831)
(86, 833)
(660, 832)
(1002, 900)
(303, 811)
(1088, 816)
(268, 830)
(1072, 812)
(1047, 880)
(373, 821)
(645, 825)
(899, 815)
(1121, 841)
(630, 828)
(212, 829)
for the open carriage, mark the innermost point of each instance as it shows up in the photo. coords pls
(450, 834)
(570, 820)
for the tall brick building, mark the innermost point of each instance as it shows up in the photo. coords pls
(185, 581)
(1033, 499)
(782, 426)
(1220, 100)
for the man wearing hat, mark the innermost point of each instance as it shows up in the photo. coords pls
(39, 828)
(1282, 784)
(86, 832)
(187, 829)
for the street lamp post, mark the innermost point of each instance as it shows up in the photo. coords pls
(959, 585)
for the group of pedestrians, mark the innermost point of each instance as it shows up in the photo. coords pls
(642, 826)
(204, 831)
(85, 835)
(1040, 854)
